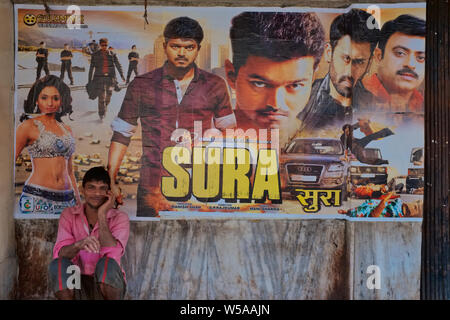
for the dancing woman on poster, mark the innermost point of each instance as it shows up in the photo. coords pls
(51, 186)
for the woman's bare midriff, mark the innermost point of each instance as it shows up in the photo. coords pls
(50, 173)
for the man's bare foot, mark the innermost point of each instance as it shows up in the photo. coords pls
(157, 201)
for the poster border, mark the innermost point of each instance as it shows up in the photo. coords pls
(191, 215)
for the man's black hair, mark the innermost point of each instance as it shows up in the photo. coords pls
(353, 24)
(42, 42)
(345, 126)
(406, 24)
(97, 174)
(350, 134)
(376, 194)
(103, 40)
(278, 36)
(30, 105)
(133, 46)
(184, 28)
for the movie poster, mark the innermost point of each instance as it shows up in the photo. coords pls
(222, 111)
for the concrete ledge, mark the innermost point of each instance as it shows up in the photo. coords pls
(246, 259)
(8, 277)
(396, 249)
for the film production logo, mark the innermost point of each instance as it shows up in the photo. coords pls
(29, 19)
(72, 20)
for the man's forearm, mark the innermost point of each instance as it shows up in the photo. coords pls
(376, 213)
(118, 66)
(104, 234)
(116, 153)
(91, 70)
(69, 251)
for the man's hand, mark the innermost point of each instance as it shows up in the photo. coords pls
(117, 192)
(364, 126)
(105, 236)
(89, 244)
(109, 203)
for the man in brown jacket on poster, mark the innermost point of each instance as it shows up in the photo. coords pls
(168, 98)
(102, 73)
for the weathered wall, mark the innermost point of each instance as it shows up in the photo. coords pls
(246, 259)
(8, 265)
(395, 248)
(238, 259)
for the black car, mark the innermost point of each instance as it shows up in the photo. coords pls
(314, 163)
(364, 174)
(416, 174)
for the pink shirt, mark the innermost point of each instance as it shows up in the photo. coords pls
(73, 226)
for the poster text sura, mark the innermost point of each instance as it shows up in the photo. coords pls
(213, 173)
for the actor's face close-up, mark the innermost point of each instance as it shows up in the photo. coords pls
(49, 100)
(181, 53)
(103, 46)
(348, 64)
(271, 93)
(94, 193)
(402, 68)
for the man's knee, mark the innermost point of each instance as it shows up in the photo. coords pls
(108, 271)
(59, 272)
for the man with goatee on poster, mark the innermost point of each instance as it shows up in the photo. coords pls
(168, 98)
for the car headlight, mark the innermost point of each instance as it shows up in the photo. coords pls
(352, 169)
(335, 167)
(381, 169)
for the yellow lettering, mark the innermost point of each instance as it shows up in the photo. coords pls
(236, 168)
(177, 186)
(266, 176)
(327, 195)
(304, 196)
(206, 183)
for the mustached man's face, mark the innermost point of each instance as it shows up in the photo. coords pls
(402, 68)
(349, 62)
(271, 93)
(181, 53)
